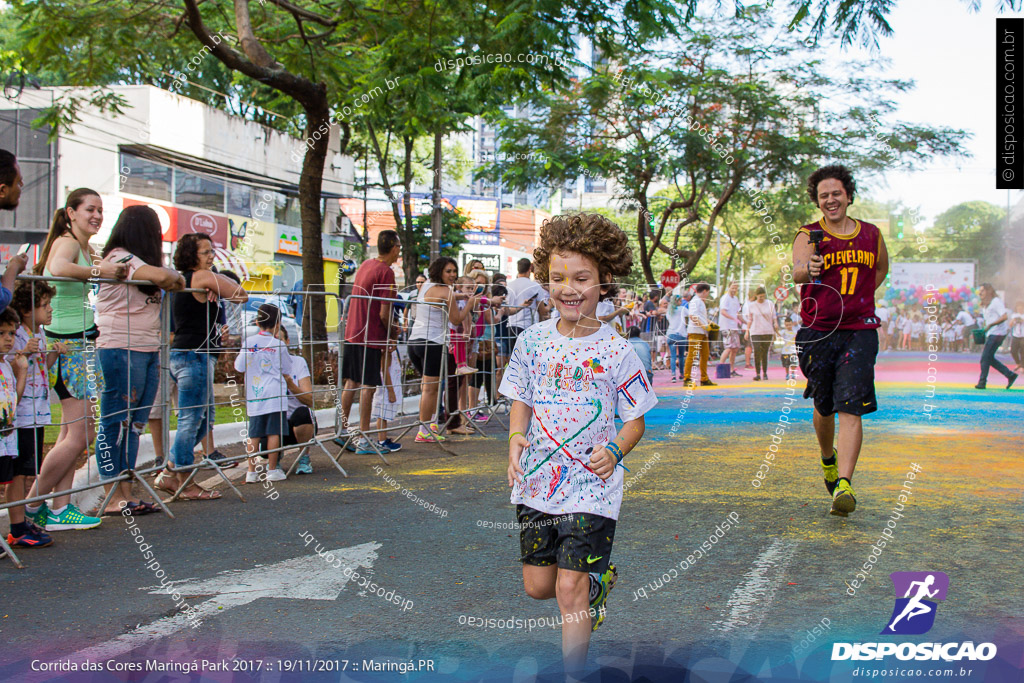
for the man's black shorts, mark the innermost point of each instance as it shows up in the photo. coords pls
(579, 541)
(361, 364)
(840, 369)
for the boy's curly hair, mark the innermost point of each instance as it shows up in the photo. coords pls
(30, 293)
(591, 235)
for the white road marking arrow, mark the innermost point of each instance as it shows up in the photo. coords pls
(309, 577)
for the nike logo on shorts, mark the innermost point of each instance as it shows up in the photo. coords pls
(592, 560)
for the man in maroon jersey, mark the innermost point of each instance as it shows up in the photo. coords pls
(366, 336)
(838, 342)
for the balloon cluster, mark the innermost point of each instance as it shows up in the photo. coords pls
(919, 295)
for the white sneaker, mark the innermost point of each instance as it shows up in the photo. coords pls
(276, 474)
(252, 477)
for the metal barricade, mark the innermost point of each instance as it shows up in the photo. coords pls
(374, 403)
(253, 453)
(86, 347)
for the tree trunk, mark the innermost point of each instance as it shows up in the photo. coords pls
(314, 323)
(409, 233)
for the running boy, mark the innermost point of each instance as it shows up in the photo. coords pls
(264, 359)
(838, 341)
(566, 378)
(32, 304)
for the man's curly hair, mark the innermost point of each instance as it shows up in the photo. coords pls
(591, 235)
(834, 172)
(30, 293)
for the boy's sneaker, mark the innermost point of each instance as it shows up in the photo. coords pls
(276, 474)
(831, 474)
(71, 518)
(363, 447)
(252, 477)
(707, 383)
(389, 445)
(304, 466)
(32, 537)
(598, 601)
(843, 501)
(39, 516)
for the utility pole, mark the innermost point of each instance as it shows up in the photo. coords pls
(435, 216)
(718, 262)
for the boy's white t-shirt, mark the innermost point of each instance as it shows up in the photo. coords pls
(34, 407)
(8, 403)
(299, 371)
(264, 359)
(575, 387)
(788, 341)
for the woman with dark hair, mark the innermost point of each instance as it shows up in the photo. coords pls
(192, 362)
(128, 317)
(428, 341)
(764, 324)
(66, 253)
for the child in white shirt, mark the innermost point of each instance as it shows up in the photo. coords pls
(265, 360)
(387, 400)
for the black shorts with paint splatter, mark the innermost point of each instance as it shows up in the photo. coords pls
(840, 369)
(579, 541)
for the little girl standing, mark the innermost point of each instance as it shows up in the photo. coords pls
(460, 334)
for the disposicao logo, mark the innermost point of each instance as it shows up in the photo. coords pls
(914, 613)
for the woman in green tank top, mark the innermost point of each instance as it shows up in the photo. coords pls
(74, 377)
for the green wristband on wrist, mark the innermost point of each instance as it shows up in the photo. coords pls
(513, 434)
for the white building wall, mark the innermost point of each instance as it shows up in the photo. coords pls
(88, 155)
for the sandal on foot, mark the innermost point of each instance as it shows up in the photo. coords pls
(143, 508)
(205, 494)
(161, 483)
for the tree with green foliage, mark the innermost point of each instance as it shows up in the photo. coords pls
(971, 231)
(453, 235)
(688, 131)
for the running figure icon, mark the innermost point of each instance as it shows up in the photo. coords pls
(917, 595)
(915, 607)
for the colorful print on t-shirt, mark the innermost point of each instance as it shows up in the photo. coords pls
(575, 387)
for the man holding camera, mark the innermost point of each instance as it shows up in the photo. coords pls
(840, 261)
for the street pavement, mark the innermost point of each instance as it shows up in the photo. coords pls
(426, 529)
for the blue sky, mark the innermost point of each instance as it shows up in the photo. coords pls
(950, 54)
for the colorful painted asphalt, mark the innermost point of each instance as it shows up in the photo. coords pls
(743, 605)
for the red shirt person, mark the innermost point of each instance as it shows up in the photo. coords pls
(838, 343)
(366, 334)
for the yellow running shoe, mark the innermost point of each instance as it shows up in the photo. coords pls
(599, 595)
(831, 473)
(843, 500)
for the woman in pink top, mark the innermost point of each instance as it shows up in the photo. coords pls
(763, 326)
(128, 317)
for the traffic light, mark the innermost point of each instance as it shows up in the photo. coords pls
(899, 227)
